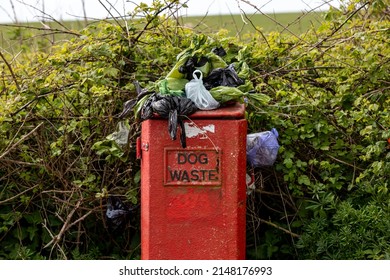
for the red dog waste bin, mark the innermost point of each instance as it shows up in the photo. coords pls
(193, 199)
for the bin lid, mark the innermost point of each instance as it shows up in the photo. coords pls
(234, 111)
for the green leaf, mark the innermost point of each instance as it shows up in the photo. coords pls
(304, 179)
(137, 177)
(288, 163)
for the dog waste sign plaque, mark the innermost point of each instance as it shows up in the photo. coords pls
(192, 167)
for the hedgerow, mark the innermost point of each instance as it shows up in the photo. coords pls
(326, 197)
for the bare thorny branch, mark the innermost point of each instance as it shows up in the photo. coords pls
(67, 224)
(155, 15)
(318, 45)
(270, 18)
(10, 70)
(45, 28)
(46, 15)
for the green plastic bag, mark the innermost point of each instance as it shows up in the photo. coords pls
(174, 73)
(216, 61)
(225, 94)
(172, 86)
(228, 94)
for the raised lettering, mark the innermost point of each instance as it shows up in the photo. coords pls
(203, 159)
(192, 167)
(181, 158)
(203, 172)
(175, 175)
(192, 158)
(213, 175)
(194, 175)
(185, 176)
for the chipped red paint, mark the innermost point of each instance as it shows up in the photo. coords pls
(193, 200)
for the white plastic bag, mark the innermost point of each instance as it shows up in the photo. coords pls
(121, 135)
(196, 91)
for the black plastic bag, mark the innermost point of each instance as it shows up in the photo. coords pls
(117, 214)
(129, 104)
(173, 108)
(147, 109)
(223, 77)
(167, 106)
(220, 51)
(194, 63)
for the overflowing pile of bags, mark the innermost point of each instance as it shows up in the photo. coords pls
(202, 80)
(199, 80)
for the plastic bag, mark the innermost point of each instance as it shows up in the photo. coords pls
(173, 108)
(172, 86)
(196, 91)
(262, 148)
(194, 63)
(175, 72)
(225, 94)
(220, 51)
(250, 183)
(223, 77)
(121, 135)
(117, 214)
(129, 105)
(216, 61)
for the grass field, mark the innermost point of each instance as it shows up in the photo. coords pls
(296, 23)
(12, 39)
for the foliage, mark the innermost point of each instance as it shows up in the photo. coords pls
(327, 197)
(331, 100)
(58, 164)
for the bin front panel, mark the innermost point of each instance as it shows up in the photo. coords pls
(193, 199)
